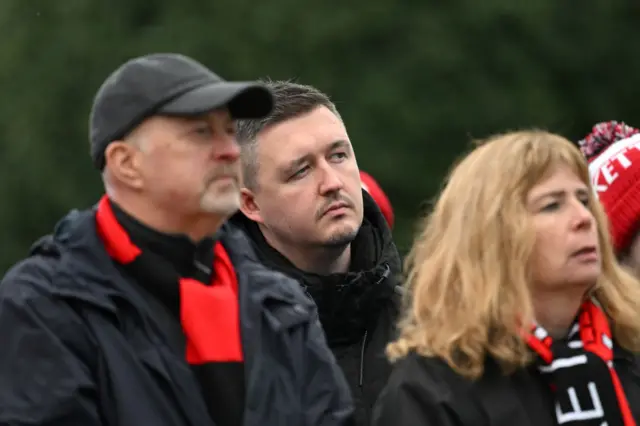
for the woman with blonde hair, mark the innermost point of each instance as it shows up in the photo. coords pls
(517, 312)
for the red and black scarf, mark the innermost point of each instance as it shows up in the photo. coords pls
(208, 313)
(581, 373)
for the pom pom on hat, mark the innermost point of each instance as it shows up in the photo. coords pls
(373, 188)
(613, 152)
(603, 135)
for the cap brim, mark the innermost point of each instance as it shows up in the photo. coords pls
(245, 100)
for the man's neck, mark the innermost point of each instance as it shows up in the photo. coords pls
(556, 311)
(196, 227)
(190, 259)
(317, 260)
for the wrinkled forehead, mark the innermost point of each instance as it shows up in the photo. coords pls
(560, 178)
(295, 139)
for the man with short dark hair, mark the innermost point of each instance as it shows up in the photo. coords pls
(304, 208)
(148, 309)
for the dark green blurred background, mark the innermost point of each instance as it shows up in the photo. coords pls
(414, 80)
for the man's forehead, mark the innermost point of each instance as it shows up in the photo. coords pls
(297, 140)
(295, 147)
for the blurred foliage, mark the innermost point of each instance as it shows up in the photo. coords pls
(414, 80)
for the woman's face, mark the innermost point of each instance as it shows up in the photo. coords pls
(567, 250)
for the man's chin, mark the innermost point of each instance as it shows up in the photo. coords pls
(223, 204)
(341, 238)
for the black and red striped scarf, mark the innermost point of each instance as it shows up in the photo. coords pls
(208, 313)
(581, 373)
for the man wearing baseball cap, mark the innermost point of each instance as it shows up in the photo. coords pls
(148, 309)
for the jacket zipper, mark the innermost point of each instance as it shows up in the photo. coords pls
(364, 344)
(366, 332)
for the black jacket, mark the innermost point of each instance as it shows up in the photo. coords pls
(427, 392)
(81, 345)
(358, 310)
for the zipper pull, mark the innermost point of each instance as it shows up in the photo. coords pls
(364, 344)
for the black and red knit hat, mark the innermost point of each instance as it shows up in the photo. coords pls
(613, 151)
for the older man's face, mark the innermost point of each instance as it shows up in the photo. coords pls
(191, 165)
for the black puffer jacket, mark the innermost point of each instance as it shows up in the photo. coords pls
(358, 310)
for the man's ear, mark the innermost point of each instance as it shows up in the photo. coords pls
(123, 161)
(248, 205)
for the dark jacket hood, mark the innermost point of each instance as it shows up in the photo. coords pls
(348, 303)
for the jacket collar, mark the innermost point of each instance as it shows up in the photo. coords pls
(86, 272)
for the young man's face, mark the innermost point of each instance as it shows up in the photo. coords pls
(308, 184)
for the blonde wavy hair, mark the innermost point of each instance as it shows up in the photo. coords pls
(467, 281)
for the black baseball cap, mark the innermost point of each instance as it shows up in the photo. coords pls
(166, 84)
